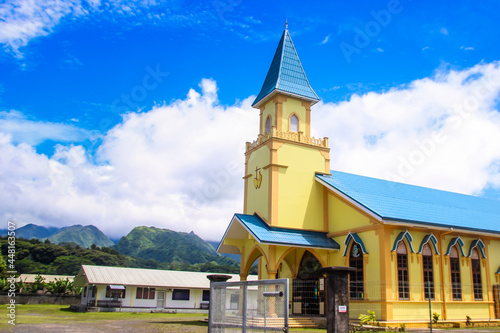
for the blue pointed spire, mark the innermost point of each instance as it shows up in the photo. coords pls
(286, 75)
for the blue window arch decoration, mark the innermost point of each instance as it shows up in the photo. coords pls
(456, 241)
(433, 241)
(403, 235)
(480, 245)
(348, 240)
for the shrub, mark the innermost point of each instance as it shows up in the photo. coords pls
(368, 318)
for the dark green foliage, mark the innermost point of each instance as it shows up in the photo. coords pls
(3, 267)
(39, 284)
(35, 257)
(62, 286)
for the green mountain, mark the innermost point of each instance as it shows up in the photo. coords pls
(30, 231)
(82, 235)
(170, 247)
(36, 257)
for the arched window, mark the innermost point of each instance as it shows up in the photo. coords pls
(428, 271)
(309, 267)
(476, 275)
(403, 276)
(356, 286)
(294, 123)
(456, 285)
(268, 125)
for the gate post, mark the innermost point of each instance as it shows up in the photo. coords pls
(337, 298)
(214, 278)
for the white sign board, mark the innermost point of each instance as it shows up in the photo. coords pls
(342, 308)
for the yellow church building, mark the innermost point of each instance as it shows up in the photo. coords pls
(408, 244)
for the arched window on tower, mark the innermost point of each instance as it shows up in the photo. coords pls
(476, 275)
(456, 285)
(428, 271)
(294, 123)
(268, 125)
(403, 276)
(356, 286)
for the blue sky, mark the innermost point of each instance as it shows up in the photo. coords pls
(125, 113)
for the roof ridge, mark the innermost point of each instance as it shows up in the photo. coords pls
(400, 202)
(414, 186)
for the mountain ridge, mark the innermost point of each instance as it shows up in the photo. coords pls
(166, 245)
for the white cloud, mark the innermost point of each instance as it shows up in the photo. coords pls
(23, 20)
(467, 48)
(179, 166)
(441, 132)
(22, 129)
(325, 40)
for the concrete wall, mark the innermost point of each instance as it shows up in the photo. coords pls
(41, 299)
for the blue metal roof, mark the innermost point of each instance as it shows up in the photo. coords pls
(408, 203)
(286, 73)
(264, 233)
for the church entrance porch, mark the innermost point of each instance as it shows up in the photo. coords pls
(308, 288)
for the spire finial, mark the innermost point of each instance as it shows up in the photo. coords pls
(286, 24)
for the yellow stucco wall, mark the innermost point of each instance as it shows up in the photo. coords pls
(299, 195)
(258, 198)
(493, 254)
(343, 216)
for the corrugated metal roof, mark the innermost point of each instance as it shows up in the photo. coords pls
(286, 74)
(264, 233)
(30, 278)
(408, 203)
(146, 277)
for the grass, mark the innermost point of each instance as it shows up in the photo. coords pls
(46, 315)
(57, 314)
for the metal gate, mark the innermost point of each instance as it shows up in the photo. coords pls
(308, 297)
(249, 306)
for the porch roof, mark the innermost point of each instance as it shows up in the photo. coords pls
(242, 224)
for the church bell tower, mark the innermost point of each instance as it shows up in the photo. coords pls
(280, 165)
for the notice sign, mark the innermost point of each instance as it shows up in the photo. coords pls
(342, 308)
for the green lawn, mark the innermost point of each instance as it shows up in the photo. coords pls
(57, 314)
(43, 315)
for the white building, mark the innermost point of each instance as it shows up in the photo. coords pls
(145, 288)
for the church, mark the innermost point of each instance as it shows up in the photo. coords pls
(410, 246)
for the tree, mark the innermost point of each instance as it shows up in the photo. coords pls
(63, 286)
(39, 284)
(3, 267)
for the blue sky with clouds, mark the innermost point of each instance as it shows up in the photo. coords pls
(125, 113)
